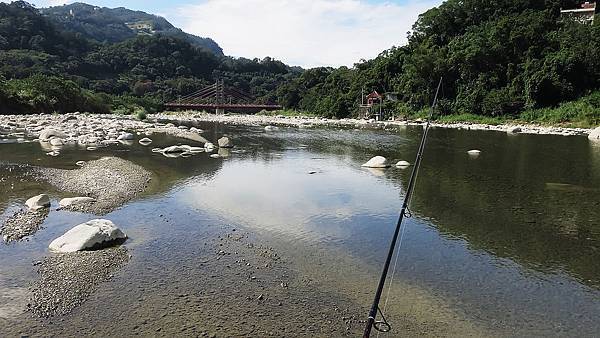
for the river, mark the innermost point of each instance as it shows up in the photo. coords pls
(503, 244)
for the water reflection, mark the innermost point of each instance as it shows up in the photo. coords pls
(496, 235)
(511, 237)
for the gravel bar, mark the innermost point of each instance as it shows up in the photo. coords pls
(22, 223)
(111, 181)
(67, 280)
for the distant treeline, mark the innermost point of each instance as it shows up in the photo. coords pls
(498, 58)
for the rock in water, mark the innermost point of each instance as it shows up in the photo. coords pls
(514, 130)
(595, 135)
(145, 141)
(474, 152)
(225, 142)
(66, 202)
(271, 128)
(55, 141)
(38, 202)
(403, 164)
(49, 133)
(125, 137)
(376, 162)
(92, 234)
(209, 147)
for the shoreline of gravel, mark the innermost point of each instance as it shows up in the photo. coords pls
(191, 117)
(67, 280)
(111, 181)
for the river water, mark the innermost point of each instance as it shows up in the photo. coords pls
(504, 244)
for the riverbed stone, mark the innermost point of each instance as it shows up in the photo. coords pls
(38, 202)
(376, 162)
(126, 137)
(402, 164)
(175, 149)
(225, 142)
(89, 235)
(50, 133)
(595, 135)
(57, 142)
(145, 141)
(209, 147)
(72, 201)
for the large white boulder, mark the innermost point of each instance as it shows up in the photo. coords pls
(225, 142)
(514, 130)
(595, 135)
(145, 141)
(73, 201)
(403, 164)
(50, 133)
(376, 162)
(38, 202)
(94, 233)
(55, 141)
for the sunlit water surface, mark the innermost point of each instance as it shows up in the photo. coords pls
(509, 241)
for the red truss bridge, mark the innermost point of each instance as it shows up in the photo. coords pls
(219, 98)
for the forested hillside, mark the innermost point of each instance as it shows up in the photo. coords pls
(135, 74)
(113, 25)
(501, 58)
(497, 57)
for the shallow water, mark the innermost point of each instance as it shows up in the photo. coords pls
(506, 244)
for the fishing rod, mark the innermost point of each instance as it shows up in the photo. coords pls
(383, 325)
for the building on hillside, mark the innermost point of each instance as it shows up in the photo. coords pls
(584, 14)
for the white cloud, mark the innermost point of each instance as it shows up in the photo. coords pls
(301, 32)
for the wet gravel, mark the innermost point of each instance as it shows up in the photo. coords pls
(111, 181)
(22, 223)
(67, 280)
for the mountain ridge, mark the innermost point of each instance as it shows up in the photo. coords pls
(113, 25)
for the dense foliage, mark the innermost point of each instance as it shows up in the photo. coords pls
(136, 73)
(497, 57)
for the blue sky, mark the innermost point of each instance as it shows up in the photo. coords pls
(306, 33)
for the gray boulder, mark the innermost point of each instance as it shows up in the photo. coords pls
(225, 142)
(595, 135)
(209, 147)
(92, 234)
(55, 141)
(145, 141)
(125, 137)
(49, 133)
(38, 202)
(377, 162)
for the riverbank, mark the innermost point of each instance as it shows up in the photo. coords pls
(187, 117)
(100, 130)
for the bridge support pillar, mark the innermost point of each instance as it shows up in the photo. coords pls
(219, 111)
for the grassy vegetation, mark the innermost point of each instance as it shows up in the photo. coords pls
(584, 113)
(472, 118)
(288, 112)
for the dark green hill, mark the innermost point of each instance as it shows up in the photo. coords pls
(119, 24)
